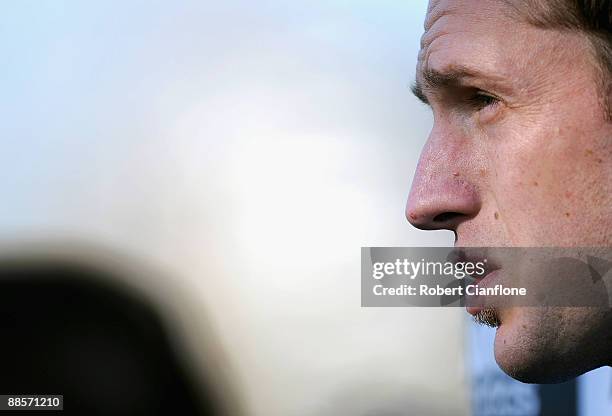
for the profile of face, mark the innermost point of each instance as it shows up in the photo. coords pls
(520, 155)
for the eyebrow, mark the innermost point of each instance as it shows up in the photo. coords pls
(436, 80)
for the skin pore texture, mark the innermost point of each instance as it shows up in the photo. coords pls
(520, 155)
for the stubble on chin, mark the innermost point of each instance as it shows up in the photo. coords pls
(488, 317)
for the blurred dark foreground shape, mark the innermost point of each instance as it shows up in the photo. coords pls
(69, 329)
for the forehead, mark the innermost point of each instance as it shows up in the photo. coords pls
(482, 33)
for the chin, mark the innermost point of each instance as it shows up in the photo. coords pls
(528, 347)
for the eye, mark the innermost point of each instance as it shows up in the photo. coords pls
(481, 100)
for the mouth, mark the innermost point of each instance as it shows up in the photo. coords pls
(475, 304)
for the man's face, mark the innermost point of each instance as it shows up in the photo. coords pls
(520, 154)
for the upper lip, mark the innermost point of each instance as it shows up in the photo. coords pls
(476, 255)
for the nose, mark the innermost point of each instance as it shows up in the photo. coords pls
(442, 196)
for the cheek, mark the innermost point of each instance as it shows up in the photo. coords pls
(548, 189)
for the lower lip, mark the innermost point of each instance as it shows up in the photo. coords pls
(484, 282)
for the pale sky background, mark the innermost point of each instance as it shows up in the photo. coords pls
(249, 149)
